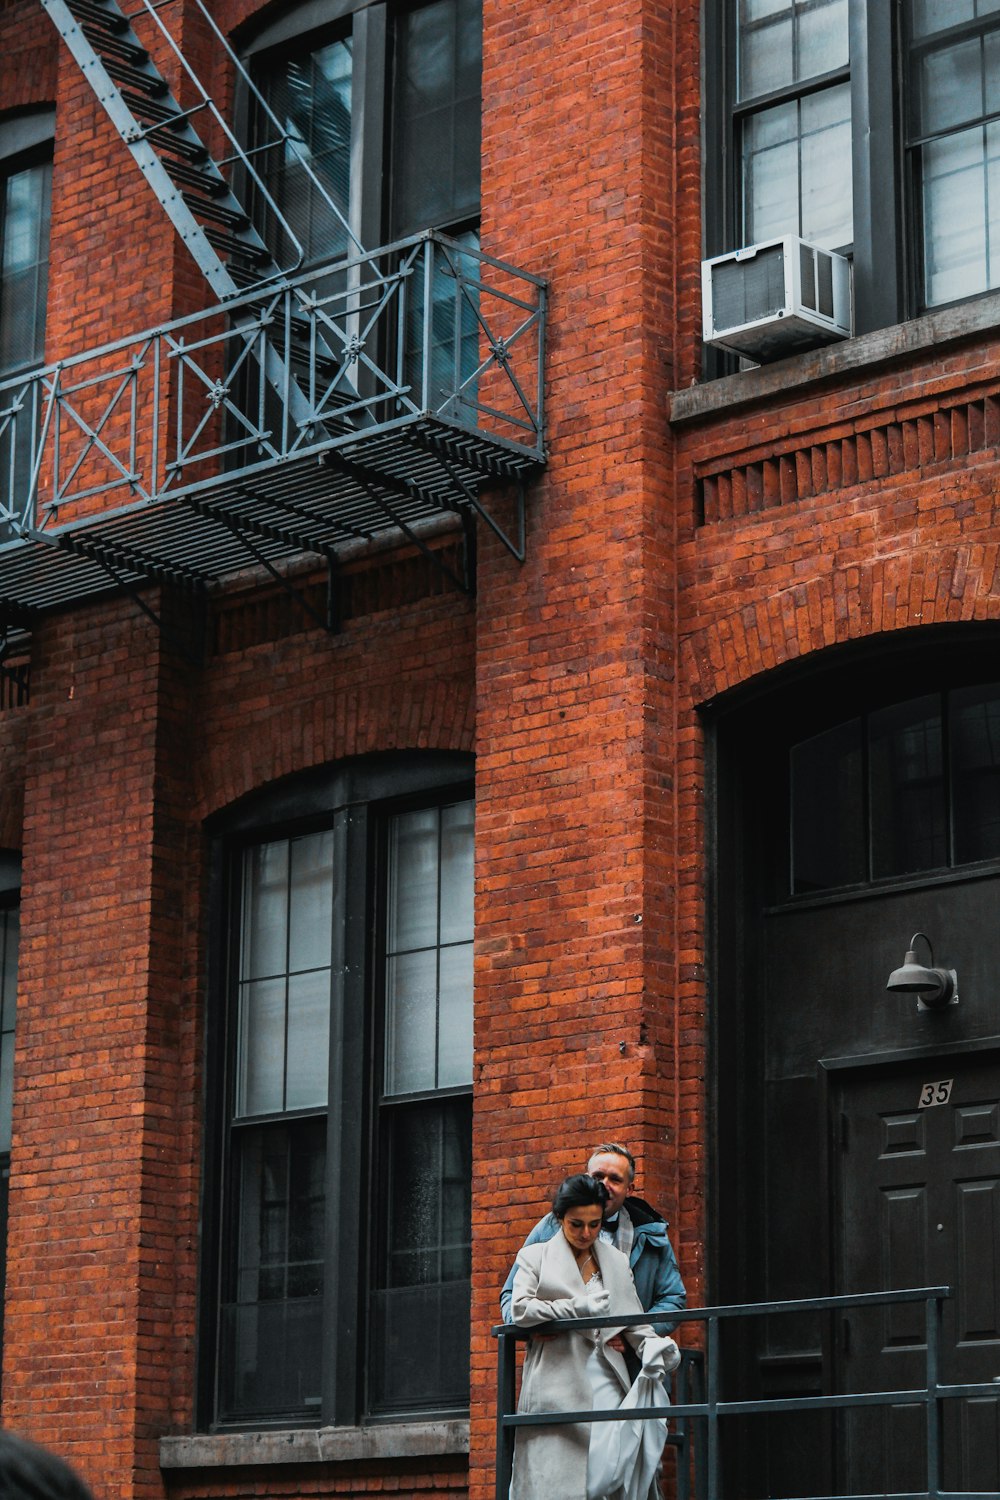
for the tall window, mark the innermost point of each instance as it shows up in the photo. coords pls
(417, 67)
(25, 197)
(871, 129)
(794, 120)
(384, 103)
(954, 143)
(345, 1232)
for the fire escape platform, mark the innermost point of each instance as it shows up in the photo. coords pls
(331, 411)
(383, 482)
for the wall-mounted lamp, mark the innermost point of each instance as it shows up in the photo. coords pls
(935, 988)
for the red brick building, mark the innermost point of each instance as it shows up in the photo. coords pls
(293, 575)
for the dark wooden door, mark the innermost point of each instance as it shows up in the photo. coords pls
(918, 1204)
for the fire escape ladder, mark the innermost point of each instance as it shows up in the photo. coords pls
(161, 136)
(191, 185)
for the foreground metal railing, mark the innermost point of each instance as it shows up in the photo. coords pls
(703, 1419)
(427, 328)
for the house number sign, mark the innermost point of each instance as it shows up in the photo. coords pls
(935, 1093)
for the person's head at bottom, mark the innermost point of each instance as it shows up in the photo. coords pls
(580, 1204)
(30, 1472)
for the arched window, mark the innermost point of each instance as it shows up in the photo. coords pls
(344, 1097)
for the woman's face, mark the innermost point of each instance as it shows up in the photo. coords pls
(581, 1226)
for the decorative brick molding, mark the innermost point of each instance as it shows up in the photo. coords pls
(874, 447)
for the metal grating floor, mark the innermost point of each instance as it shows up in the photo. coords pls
(389, 478)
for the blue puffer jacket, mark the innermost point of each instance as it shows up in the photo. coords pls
(654, 1265)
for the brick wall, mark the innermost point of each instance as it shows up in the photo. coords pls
(577, 961)
(128, 747)
(664, 569)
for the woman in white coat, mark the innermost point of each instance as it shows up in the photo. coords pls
(573, 1275)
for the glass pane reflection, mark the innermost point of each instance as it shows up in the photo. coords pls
(975, 751)
(909, 826)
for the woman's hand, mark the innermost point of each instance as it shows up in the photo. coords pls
(659, 1356)
(592, 1304)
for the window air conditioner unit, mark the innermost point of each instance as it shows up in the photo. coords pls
(776, 298)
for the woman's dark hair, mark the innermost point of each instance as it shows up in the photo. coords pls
(579, 1191)
(28, 1472)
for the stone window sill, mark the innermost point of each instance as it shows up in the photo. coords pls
(866, 351)
(317, 1445)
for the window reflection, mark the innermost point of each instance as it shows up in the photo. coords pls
(956, 144)
(911, 787)
(909, 830)
(975, 742)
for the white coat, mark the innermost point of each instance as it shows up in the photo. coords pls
(550, 1463)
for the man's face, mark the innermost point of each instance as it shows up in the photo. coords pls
(613, 1171)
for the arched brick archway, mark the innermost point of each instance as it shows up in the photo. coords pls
(939, 586)
(332, 727)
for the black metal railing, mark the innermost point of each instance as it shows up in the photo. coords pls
(696, 1425)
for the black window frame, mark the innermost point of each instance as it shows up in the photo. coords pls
(355, 798)
(888, 279)
(27, 140)
(372, 27)
(879, 835)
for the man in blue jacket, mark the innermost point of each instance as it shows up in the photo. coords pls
(633, 1227)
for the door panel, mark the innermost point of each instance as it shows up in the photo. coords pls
(926, 1179)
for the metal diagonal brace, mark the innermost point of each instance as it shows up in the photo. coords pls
(92, 549)
(516, 549)
(239, 528)
(360, 477)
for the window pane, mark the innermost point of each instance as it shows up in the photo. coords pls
(822, 38)
(6, 1094)
(24, 255)
(8, 973)
(261, 1048)
(413, 880)
(975, 772)
(428, 967)
(771, 173)
(457, 828)
(828, 839)
(961, 211)
(284, 1018)
(265, 911)
(766, 51)
(907, 791)
(449, 349)
(797, 169)
(436, 113)
(271, 1322)
(308, 1040)
(310, 94)
(311, 902)
(929, 16)
(420, 1305)
(9, 924)
(455, 1025)
(411, 1022)
(827, 207)
(951, 87)
(782, 42)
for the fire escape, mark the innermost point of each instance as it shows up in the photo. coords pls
(308, 409)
